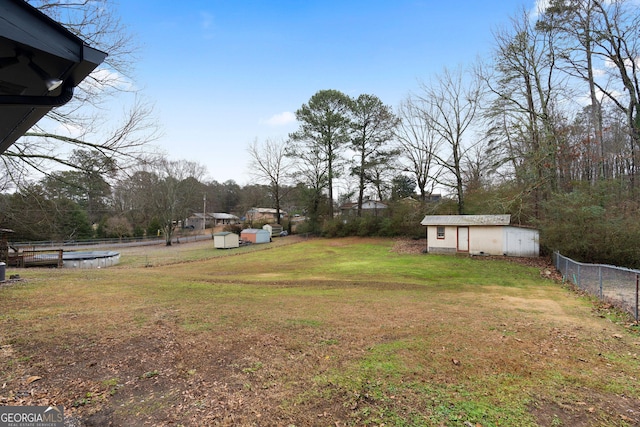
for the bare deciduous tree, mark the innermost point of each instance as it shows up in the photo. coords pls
(617, 40)
(82, 123)
(269, 164)
(571, 23)
(118, 226)
(450, 105)
(526, 87)
(418, 144)
(164, 190)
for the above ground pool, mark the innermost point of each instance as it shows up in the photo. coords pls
(90, 259)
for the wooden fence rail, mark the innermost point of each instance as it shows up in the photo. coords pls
(35, 258)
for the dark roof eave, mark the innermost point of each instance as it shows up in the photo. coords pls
(24, 28)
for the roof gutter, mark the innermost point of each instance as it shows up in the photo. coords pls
(40, 101)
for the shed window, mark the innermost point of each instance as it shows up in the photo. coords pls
(440, 232)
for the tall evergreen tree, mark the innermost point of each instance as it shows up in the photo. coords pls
(373, 125)
(324, 131)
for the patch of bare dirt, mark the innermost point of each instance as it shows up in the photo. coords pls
(161, 379)
(409, 246)
(595, 409)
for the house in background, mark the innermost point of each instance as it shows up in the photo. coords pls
(267, 215)
(195, 221)
(369, 207)
(198, 220)
(479, 235)
(220, 218)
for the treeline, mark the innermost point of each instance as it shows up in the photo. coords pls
(97, 200)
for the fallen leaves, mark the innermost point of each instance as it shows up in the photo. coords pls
(32, 379)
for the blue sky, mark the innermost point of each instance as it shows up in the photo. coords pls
(223, 73)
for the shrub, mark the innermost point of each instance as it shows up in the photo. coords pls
(591, 227)
(118, 226)
(368, 226)
(138, 231)
(153, 227)
(233, 228)
(365, 226)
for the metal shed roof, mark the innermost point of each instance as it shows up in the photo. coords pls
(254, 231)
(215, 215)
(465, 220)
(222, 215)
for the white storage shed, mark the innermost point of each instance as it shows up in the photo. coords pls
(479, 235)
(226, 240)
(273, 229)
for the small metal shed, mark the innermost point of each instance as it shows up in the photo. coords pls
(273, 229)
(226, 240)
(255, 235)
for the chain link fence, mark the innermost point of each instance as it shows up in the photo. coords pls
(615, 285)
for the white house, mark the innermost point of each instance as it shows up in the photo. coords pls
(479, 235)
(198, 220)
(369, 207)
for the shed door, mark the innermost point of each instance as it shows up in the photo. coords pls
(521, 242)
(463, 239)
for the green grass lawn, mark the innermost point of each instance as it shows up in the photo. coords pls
(341, 332)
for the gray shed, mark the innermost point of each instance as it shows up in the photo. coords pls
(226, 240)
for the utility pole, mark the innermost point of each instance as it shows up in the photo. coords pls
(204, 211)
